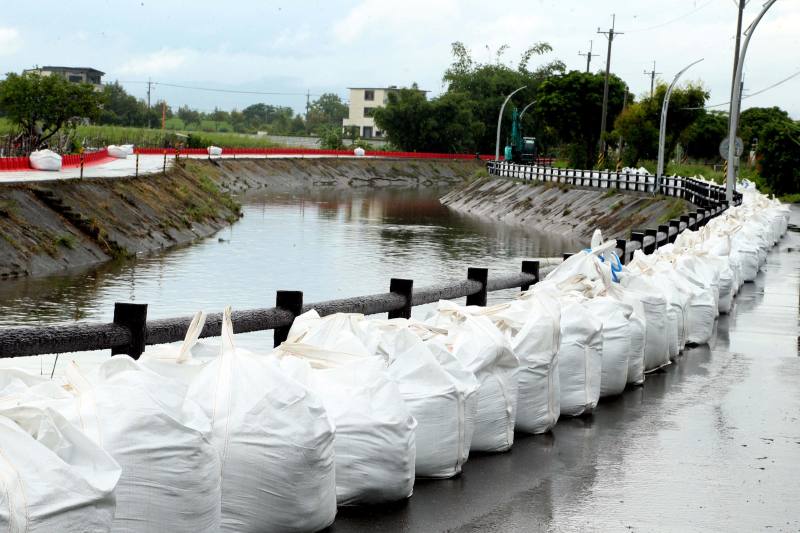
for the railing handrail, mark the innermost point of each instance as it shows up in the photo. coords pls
(697, 192)
(120, 337)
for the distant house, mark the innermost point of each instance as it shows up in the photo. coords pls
(71, 74)
(363, 102)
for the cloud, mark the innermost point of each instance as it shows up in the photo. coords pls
(160, 62)
(377, 17)
(10, 41)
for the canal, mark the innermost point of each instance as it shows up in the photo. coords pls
(329, 245)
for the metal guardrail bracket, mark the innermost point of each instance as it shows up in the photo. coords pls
(133, 317)
(481, 275)
(291, 301)
(405, 288)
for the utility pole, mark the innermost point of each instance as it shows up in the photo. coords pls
(589, 56)
(610, 36)
(149, 83)
(736, 50)
(652, 75)
(308, 101)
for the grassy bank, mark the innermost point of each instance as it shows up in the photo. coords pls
(96, 136)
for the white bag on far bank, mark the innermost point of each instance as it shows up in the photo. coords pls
(54, 477)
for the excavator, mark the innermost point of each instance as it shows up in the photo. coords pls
(521, 150)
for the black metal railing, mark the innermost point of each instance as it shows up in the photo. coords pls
(130, 330)
(699, 193)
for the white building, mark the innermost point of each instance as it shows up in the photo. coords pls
(363, 102)
(71, 74)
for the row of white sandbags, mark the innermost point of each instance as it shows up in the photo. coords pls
(197, 444)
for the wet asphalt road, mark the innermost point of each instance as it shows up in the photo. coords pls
(710, 444)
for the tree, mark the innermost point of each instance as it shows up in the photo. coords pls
(640, 123)
(702, 138)
(120, 108)
(753, 121)
(327, 110)
(779, 156)
(406, 119)
(484, 86)
(40, 106)
(570, 105)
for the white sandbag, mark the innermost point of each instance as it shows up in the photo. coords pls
(615, 317)
(118, 152)
(375, 440)
(127, 148)
(45, 160)
(580, 357)
(274, 437)
(54, 477)
(656, 350)
(214, 150)
(441, 396)
(359, 152)
(638, 333)
(483, 350)
(439, 392)
(532, 325)
(170, 471)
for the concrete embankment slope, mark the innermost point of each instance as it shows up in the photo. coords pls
(562, 208)
(52, 226)
(310, 174)
(59, 225)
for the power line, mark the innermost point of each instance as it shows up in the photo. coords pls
(214, 90)
(676, 19)
(765, 89)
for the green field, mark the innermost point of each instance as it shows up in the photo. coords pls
(97, 136)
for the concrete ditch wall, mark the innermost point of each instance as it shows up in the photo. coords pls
(562, 208)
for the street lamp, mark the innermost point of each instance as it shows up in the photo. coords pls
(735, 104)
(662, 132)
(500, 120)
(525, 109)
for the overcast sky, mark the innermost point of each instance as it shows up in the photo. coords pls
(327, 46)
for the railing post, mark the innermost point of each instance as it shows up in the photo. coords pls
(654, 234)
(481, 275)
(701, 214)
(532, 268)
(674, 223)
(686, 221)
(693, 221)
(291, 301)
(637, 236)
(622, 244)
(133, 317)
(663, 228)
(405, 288)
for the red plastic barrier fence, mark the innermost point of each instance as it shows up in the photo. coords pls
(101, 156)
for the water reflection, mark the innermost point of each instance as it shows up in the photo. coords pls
(329, 245)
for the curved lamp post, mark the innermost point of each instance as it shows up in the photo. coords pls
(500, 120)
(525, 109)
(662, 132)
(735, 104)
